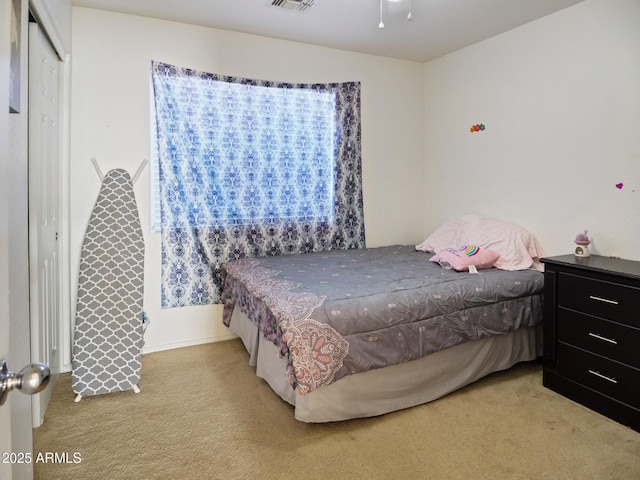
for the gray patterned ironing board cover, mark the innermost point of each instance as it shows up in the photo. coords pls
(108, 338)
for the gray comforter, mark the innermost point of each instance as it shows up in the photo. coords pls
(342, 312)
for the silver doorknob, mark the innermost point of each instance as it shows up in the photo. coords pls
(31, 379)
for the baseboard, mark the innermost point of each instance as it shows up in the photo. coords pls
(189, 343)
(170, 346)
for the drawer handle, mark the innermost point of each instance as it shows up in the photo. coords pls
(599, 337)
(604, 377)
(605, 300)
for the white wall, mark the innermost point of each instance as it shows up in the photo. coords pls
(111, 61)
(560, 98)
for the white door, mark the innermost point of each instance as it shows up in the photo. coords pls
(44, 210)
(15, 414)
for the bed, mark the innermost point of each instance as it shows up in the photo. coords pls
(359, 333)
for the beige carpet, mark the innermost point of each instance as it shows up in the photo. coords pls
(203, 414)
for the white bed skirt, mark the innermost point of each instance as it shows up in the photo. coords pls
(391, 388)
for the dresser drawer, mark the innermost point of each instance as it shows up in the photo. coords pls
(600, 298)
(609, 339)
(600, 374)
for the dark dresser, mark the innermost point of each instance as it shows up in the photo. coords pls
(592, 333)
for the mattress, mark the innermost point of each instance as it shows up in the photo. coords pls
(331, 315)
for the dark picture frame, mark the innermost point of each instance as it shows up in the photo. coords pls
(14, 78)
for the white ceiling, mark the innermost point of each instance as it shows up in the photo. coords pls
(438, 27)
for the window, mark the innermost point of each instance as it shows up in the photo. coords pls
(274, 160)
(250, 168)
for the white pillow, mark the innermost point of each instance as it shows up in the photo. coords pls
(517, 247)
(443, 237)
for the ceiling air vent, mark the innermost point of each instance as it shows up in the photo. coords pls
(293, 5)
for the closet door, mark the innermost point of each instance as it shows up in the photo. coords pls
(44, 210)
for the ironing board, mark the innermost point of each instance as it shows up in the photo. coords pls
(108, 337)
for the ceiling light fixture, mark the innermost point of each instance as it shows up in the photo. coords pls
(409, 17)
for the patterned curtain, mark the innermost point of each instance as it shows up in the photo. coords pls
(251, 168)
